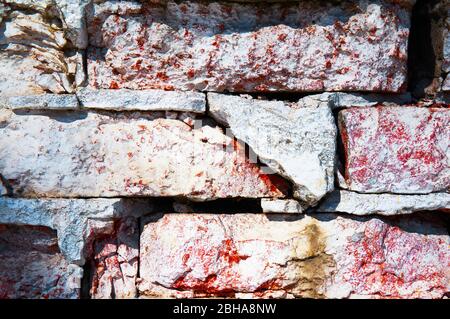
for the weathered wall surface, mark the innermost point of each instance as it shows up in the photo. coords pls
(299, 46)
(235, 149)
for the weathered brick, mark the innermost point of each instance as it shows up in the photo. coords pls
(251, 255)
(39, 46)
(304, 46)
(396, 149)
(31, 265)
(40, 102)
(297, 142)
(145, 100)
(105, 155)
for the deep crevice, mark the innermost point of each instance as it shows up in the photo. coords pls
(425, 47)
(219, 206)
(86, 280)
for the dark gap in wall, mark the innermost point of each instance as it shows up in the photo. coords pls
(313, 210)
(86, 280)
(219, 206)
(285, 217)
(438, 14)
(340, 150)
(446, 216)
(425, 47)
(274, 96)
(138, 272)
(85, 82)
(7, 185)
(437, 224)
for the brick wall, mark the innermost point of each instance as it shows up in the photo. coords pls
(237, 149)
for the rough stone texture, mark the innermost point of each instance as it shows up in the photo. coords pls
(115, 264)
(149, 100)
(396, 149)
(280, 206)
(69, 13)
(337, 100)
(296, 142)
(40, 102)
(254, 220)
(36, 56)
(251, 255)
(446, 54)
(31, 265)
(107, 155)
(383, 204)
(305, 46)
(77, 221)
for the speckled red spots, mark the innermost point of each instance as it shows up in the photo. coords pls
(396, 149)
(389, 261)
(255, 44)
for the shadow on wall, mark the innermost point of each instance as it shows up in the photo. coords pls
(247, 17)
(425, 45)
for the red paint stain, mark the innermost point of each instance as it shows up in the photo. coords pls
(384, 259)
(275, 183)
(230, 253)
(191, 73)
(140, 42)
(137, 66)
(162, 76)
(113, 85)
(282, 37)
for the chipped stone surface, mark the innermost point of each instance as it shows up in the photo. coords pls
(106, 155)
(31, 265)
(252, 255)
(148, 100)
(77, 221)
(396, 149)
(269, 205)
(34, 58)
(68, 13)
(115, 262)
(383, 204)
(40, 102)
(303, 47)
(296, 142)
